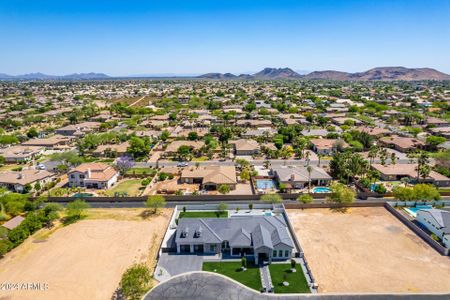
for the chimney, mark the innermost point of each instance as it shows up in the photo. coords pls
(89, 173)
(292, 177)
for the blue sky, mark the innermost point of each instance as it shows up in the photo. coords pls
(190, 36)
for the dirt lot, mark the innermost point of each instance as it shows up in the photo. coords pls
(84, 260)
(367, 250)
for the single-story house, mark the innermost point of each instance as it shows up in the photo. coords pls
(245, 147)
(402, 144)
(93, 175)
(432, 121)
(437, 221)
(172, 148)
(327, 146)
(17, 180)
(20, 153)
(298, 177)
(210, 177)
(398, 171)
(374, 131)
(50, 142)
(111, 150)
(264, 238)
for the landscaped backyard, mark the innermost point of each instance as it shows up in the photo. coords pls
(140, 171)
(203, 214)
(249, 277)
(282, 272)
(132, 187)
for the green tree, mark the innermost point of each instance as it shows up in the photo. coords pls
(245, 175)
(192, 136)
(32, 133)
(135, 282)
(138, 147)
(223, 189)
(75, 210)
(271, 198)
(305, 198)
(341, 194)
(184, 152)
(155, 202)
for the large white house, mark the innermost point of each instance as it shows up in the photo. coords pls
(438, 222)
(93, 175)
(264, 238)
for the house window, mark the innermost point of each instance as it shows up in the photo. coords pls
(82, 176)
(72, 176)
(274, 253)
(286, 253)
(212, 248)
(280, 253)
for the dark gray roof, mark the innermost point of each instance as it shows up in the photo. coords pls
(248, 231)
(442, 217)
(261, 237)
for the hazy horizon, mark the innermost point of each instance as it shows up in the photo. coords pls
(195, 37)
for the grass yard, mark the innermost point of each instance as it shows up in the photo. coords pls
(203, 214)
(297, 280)
(140, 171)
(250, 277)
(132, 187)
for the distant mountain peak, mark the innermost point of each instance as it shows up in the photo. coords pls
(276, 73)
(41, 76)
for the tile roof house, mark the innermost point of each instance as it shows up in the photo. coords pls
(373, 131)
(17, 180)
(210, 177)
(50, 142)
(298, 177)
(245, 147)
(327, 146)
(438, 222)
(111, 150)
(402, 144)
(265, 238)
(398, 171)
(173, 146)
(20, 153)
(93, 175)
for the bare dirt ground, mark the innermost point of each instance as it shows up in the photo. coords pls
(367, 250)
(85, 260)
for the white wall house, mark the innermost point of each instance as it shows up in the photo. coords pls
(93, 175)
(438, 222)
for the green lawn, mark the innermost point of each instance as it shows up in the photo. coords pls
(132, 187)
(203, 214)
(250, 277)
(297, 280)
(139, 171)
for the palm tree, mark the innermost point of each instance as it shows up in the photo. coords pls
(373, 153)
(423, 168)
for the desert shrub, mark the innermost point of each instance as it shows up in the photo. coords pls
(135, 282)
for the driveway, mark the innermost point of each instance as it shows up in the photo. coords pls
(170, 264)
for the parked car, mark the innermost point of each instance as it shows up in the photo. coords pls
(182, 164)
(40, 167)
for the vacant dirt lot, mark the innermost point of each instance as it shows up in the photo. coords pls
(367, 250)
(84, 260)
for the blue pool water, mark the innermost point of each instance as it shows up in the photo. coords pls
(321, 189)
(265, 184)
(373, 186)
(268, 214)
(413, 210)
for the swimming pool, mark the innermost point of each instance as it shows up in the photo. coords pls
(265, 184)
(413, 210)
(82, 195)
(321, 189)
